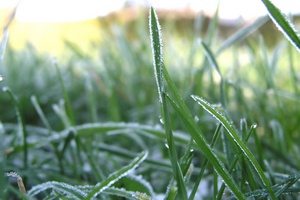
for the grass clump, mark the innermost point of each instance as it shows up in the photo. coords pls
(95, 128)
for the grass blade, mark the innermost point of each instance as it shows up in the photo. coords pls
(21, 123)
(67, 189)
(157, 50)
(68, 108)
(156, 42)
(114, 177)
(235, 137)
(242, 34)
(283, 23)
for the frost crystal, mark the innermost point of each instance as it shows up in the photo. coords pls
(157, 50)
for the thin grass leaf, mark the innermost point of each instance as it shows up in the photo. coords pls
(68, 106)
(40, 112)
(213, 25)
(205, 163)
(241, 34)
(68, 190)
(120, 192)
(235, 137)
(283, 23)
(196, 134)
(21, 123)
(287, 184)
(157, 50)
(210, 56)
(114, 177)
(212, 59)
(156, 43)
(4, 40)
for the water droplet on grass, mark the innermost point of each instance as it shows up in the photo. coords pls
(166, 144)
(161, 120)
(196, 118)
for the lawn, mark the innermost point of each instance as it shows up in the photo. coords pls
(155, 114)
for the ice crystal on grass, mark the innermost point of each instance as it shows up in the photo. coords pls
(157, 50)
(114, 177)
(66, 189)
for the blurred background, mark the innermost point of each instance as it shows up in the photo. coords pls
(48, 24)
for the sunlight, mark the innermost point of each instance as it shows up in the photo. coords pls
(65, 11)
(77, 10)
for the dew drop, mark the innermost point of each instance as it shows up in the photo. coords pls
(5, 89)
(161, 120)
(1, 78)
(196, 118)
(254, 126)
(166, 144)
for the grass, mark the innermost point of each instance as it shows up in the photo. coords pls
(212, 120)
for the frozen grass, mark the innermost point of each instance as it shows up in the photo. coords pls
(213, 119)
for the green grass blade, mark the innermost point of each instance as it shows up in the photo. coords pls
(210, 56)
(283, 23)
(213, 25)
(68, 108)
(67, 189)
(120, 192)
(242, 33)
(235, 137)
(196, 134)
(21, 123)
(114, 177)
(156, 43)
(157, 50)
(205, 163)
(40, 112)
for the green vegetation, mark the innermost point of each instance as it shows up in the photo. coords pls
(197, 119)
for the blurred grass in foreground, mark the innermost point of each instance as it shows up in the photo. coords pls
(86, 118)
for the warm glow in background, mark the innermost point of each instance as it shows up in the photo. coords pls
(45, 23)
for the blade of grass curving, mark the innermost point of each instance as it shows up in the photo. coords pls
(21, 123)
(156, 44)
(196, 134)
(40, 112)
(235, 137)
(287, 184)
(283, 23)
(67, 189)
(210, 56)
(94, 129)
(120, 192)
(212, 59)
(4, 40)
(69, 110)
(114, 177)
(236, 158)
(242, 33)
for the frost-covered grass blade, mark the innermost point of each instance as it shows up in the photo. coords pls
(235, 137)
(283, 23)
(157, 50)
(66, 189)
(100, 187)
